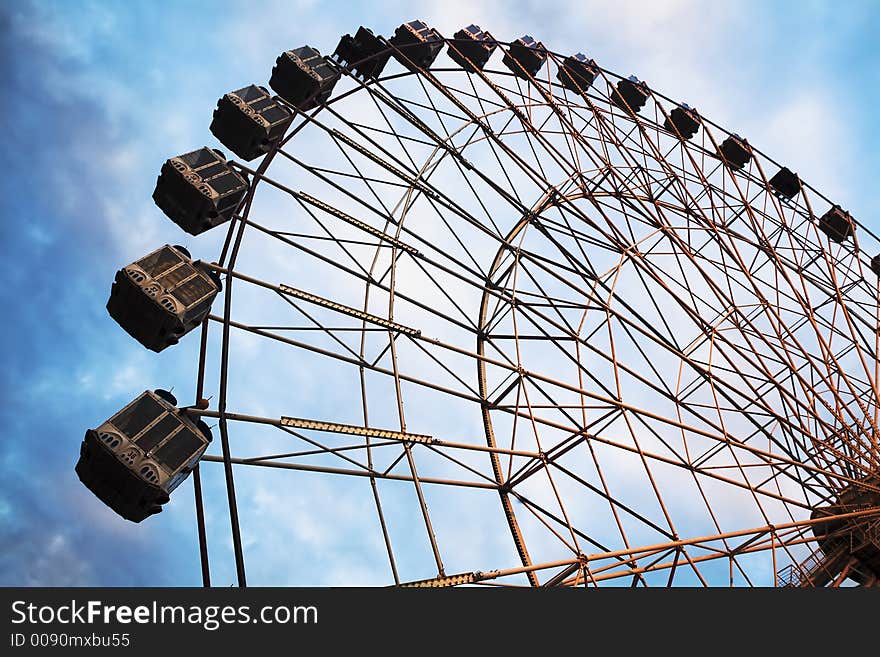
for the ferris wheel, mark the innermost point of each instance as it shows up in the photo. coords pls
(510, 290)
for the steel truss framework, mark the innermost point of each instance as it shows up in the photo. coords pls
(657, 365)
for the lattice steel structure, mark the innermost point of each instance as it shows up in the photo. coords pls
(622, 332)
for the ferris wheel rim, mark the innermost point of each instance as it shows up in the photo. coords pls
(240, 222)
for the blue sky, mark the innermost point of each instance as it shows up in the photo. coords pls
(100, 93)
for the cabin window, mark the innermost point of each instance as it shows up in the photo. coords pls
(176, 275)
(134, 418)
(159, 261)
(158, 432)
(250, 93)
(199, 158)
(225, 183)
(192, 291)
(262, 104)
(179, 449)
(274, 114)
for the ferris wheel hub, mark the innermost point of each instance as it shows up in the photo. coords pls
(849, 537)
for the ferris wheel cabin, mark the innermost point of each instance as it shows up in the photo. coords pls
(364, 53)
(786, 183)
(683, 121)
(162, 297)
(418, 44)
(735, 151)
(577, 73)
(525, 57)
(133, 461)
(472, 48)
(199, 190)
(837, 224)
(303, 77)
(249, 121)
(630, 95)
